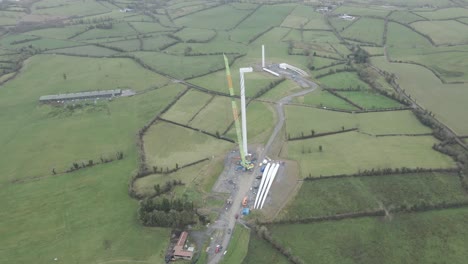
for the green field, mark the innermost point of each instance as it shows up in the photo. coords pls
(400, 37)
(86, 50)
(238, 246)
(366, 30)
(444, 13)
(362, 11)
(69, 8)
(304, 17)
(260, 122)
(354, 151)
(444, 32)
(265, 17)
(416, 238)
(337, 196)
(84, 216)
(180, 146)
(254, 82)
(216, 116)
(429, 91)
(268, 254)
(225, 16)
(343, 80)
(150, 47)
(187, 106)
(379, 123)
(405, 17)
(181, 66)
(370, 100)
(325, 99)
(194, 35)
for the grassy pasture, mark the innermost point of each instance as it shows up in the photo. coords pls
(366, 30)
(220, 43)
(399, 36)
(265, 17)
(138, 18)
(323, 98)
(198, 180)
(355, 151)
(84, 217)
(180, 66)
(268, 254)
(58, 33)
(196, 34)
(319, 62)
(444, 13)
(320, 36)
(429, 91)
(145, 185)
(238, 246)
(86, 50)
(254, 81)
(362, 11)
(157, 42)
(69, 8)
(216, 116)
(222, 17)
(417, 238)
(180, 145)
(374, 51)
(444, 32)
(336, 196)
(281, 90)
(127, 45)
(11, 42)
(147, 27)
(187, 106)
(422, 4)
(451, 63)
(99, 126)
(306, 17)
(370, 100)
(340, 24)
(405, 17)
(10, 18)
(378, 123)
(118, 30)
(261, 119)
(343, 80)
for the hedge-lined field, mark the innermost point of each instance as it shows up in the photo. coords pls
(417, 238)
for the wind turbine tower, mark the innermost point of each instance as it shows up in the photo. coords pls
(263, 56)
(243, 110)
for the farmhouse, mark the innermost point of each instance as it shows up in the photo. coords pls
(179, 251)
(80, 96)
(347, 17)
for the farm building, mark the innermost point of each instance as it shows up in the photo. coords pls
(79, 96)
(179, 251)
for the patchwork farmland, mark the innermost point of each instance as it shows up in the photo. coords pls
(371, 140)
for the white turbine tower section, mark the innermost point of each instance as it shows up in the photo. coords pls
(262, 183)
(243, 110)
(267, 182)
(275, 170)
(263, 56)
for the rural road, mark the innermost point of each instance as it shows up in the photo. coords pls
(227, 219)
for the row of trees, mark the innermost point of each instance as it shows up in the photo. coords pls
(90, 163)
(167, 187)
(168, 213)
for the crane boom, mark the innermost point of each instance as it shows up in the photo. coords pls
(235, 113)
